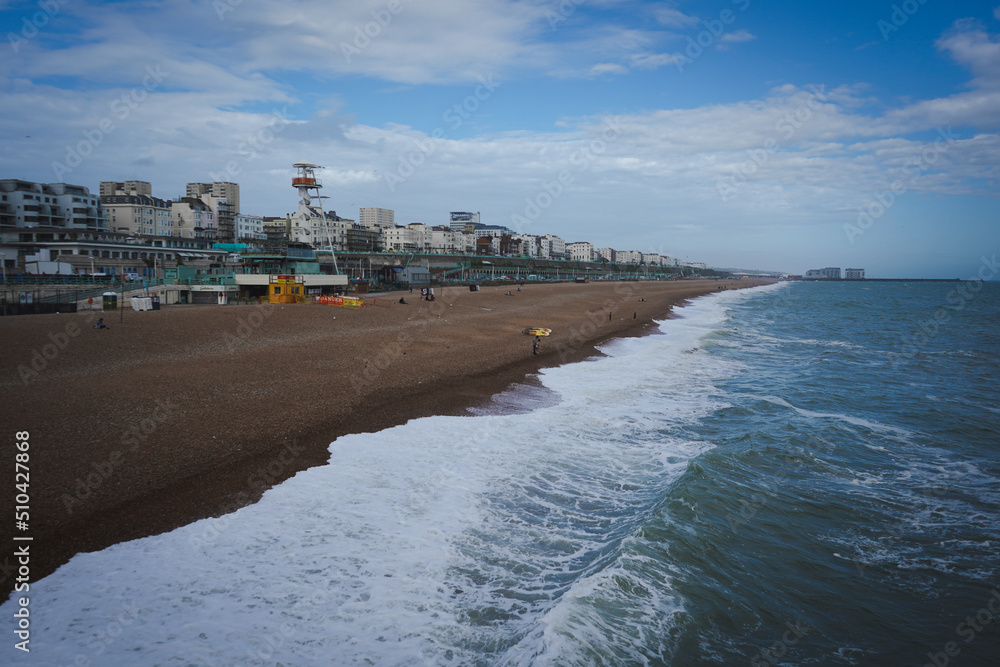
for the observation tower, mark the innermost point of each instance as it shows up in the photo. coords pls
(311, 219)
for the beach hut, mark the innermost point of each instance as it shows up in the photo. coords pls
(286, 289)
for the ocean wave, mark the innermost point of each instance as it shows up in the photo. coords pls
(900, 433)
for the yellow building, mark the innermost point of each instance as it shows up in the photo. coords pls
(286, 289)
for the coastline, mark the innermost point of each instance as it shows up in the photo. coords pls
(194, 411)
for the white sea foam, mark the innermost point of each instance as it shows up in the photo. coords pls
(435, 542)
(877, 427)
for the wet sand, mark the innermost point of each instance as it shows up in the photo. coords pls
(193, 411)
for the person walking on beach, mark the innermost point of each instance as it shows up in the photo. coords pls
(534, 345)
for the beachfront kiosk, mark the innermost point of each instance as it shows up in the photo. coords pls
(286, 289)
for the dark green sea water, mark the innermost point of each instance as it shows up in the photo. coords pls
(849, 512)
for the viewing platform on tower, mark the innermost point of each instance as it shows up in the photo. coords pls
(306, 177)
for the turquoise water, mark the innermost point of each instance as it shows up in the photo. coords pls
(799, 474)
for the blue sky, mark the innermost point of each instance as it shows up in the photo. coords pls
(743, 133)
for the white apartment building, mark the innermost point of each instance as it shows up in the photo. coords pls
(377, 218)
(442, 239)
(854, 274)
(605, 254)
(557, 246)
(831, 272)
(628, 256)
(404, 239)
(651, 258)
(193, 219)
(249, 227)
(465, 242)
(580, 251)
(29, 204)
(527, 245)
(320, 229)
(544, 247)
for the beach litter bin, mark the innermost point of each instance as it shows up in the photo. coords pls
(473, 288)
(110, 300)
(156, 303)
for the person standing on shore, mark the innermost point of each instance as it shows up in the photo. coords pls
(534, 345)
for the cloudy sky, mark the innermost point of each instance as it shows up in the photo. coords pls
(769, 134)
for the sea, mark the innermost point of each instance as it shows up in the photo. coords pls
(804, 473)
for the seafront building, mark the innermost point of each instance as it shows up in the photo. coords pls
(108, 253)
(361, 239)
(194, 219)
(131, 208)
(465, 221)
(557, 246)
(220, 190)
(113, 188)
(26, 204)
(377, 218)
(834, 273)
(828, 273)
(166, 233)
(628, 256)
(580, 251)
(404, 239)
(249, 227)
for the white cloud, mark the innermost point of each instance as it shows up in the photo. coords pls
(674, 18)
(735, 37)
(404, 41)
(422, 42)
(971, 46)
(651, 60)
(601, 69)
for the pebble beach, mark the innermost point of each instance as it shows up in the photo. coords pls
(175, 415)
